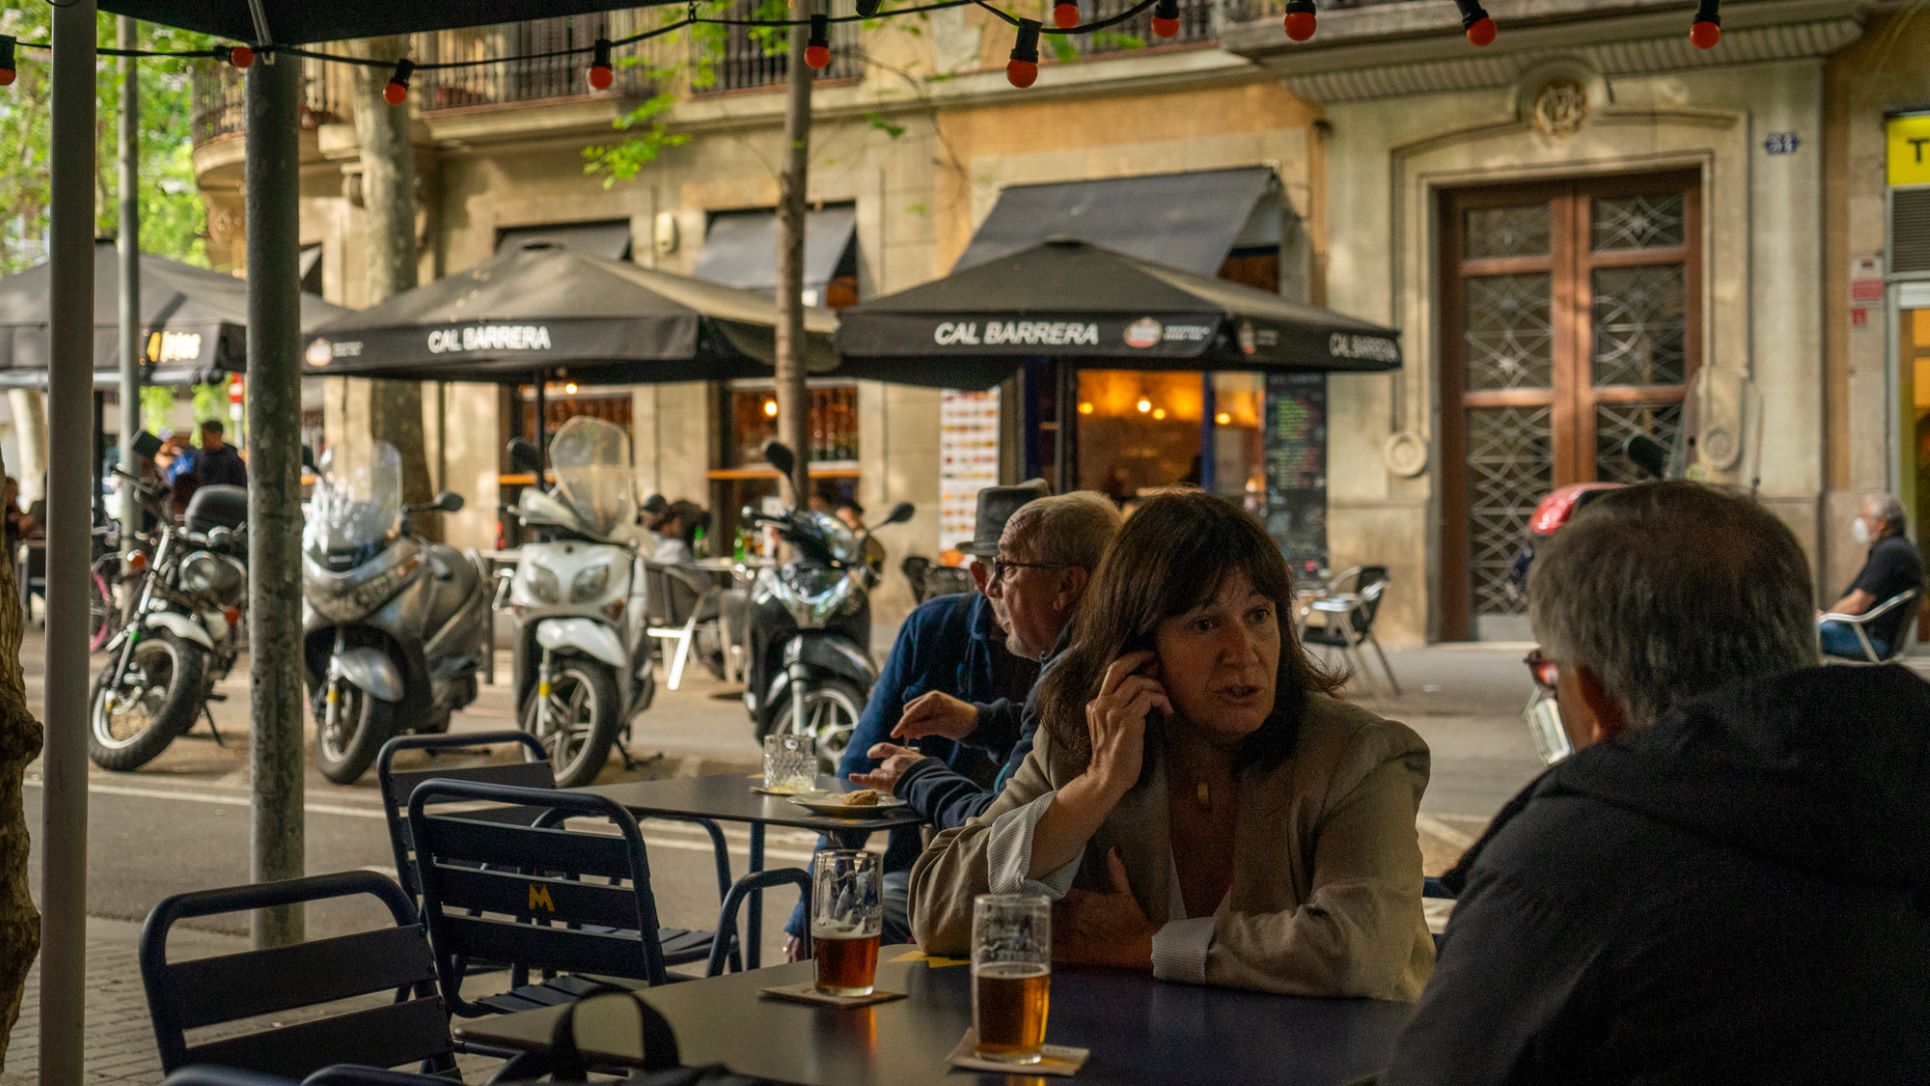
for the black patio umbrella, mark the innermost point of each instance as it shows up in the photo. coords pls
(543, 313)
(195, 322)
(301, 22)
(1072, 300)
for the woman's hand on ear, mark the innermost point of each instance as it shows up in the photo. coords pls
(1116, 722)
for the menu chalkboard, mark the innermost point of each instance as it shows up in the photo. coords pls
(1296, 463)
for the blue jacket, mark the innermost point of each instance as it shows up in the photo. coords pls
(950, 644)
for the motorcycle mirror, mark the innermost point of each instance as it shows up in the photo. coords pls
(449, 501)
(308, 458)
(779, 455)
(219, 537)
(146, 445)
(748, 515)
(1648, 454)
(525, 457)
(899, 514)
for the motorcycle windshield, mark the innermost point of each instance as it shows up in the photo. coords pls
(591, 459)
(358, 498)
(839, 539)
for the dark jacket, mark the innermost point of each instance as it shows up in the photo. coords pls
(1740, 893)
(951, 644)
(219, 467)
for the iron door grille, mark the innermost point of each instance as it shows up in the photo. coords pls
(1910, 230)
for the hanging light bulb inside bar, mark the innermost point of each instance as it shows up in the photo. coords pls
(1166, 18)
(1707, 29)
(397, 92)
(1300, 19)
(1023, 69)
(602, 74)
(817, 51)
(1475, 22)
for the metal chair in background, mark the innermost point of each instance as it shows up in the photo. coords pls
(1347, 609)
(1860, 626)
(675, 597)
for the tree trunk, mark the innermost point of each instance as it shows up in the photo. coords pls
(793, 399)
(388, 198)
(19, 744)
(30, 422)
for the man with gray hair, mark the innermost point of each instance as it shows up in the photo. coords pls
(1730, 880)
(1894, 566)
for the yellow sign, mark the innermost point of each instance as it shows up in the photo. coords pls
(1910, 149)
(540, 895)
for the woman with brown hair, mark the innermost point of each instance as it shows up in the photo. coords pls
(1199, 804)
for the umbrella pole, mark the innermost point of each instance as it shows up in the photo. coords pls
(63, 838)
(130, 279)
(542, 431)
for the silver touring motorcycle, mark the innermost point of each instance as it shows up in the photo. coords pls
(393, 626)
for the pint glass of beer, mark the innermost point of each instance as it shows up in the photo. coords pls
(1011, 975)
(847, 919)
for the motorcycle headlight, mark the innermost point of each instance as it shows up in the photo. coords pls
(589, 583)
(208, 574)
(544, 584)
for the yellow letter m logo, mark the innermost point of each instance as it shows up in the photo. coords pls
(540, 895)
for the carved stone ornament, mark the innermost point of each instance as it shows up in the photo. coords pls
(1561, 107)
(1405, 454)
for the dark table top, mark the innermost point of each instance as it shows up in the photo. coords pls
(728, 798)
(1139, 1030)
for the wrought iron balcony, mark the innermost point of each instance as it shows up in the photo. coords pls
(538, 76)
(221, 98)
(750, 58)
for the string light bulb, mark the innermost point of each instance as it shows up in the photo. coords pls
(1706, 31)
(1065, 14)
(1475, 22)
(7, 72)
(867, 9)
(602, 73)
(241, 57)
(817, 51)
(1166, 18)
(1300, 20)
(1023, 69)
(397, 92)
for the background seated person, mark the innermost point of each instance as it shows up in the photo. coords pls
(1892, 567)
(1197, 804)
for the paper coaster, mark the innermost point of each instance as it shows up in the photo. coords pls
(763, 791)
(1058, 1060)
(808, 993)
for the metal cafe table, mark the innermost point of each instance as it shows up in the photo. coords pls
(728, 798)
(1139, 1030)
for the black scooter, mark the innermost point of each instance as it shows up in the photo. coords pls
(810, 669)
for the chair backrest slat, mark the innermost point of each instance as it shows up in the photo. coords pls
(209, 991)
(534, 772)
(384, 1036)
(617, 954)
(459, 839)
(534, 897)
(519, 774)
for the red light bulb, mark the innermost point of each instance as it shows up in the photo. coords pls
(241, 57)
(601, 76)
(1705, 34)
(1065, 15)
(7, 73)
(1164, 27)
(1021, 73)
(395, 93)
(6, 77)
(817, 57)
(1481, 32)
(1022, 69)
(1300, 25)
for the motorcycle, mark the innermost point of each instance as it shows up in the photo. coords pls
(577, 595)
(182, 629)
(394, 627)
(809, 668)
(1721, 445)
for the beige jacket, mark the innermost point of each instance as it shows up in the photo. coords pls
(1326, 895)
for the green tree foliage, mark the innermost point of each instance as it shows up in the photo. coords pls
(173, 220)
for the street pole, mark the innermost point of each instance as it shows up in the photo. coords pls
(793, 397)
(273, 184)
(130, 279)
(70, 395)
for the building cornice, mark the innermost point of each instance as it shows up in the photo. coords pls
(1393, 50)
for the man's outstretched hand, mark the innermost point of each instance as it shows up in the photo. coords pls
(936, 713)
(893, 761)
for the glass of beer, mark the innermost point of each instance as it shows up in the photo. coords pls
(847, 920)
(790, 762)
(1011, 975)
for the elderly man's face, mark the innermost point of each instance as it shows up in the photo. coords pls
(1031, 599)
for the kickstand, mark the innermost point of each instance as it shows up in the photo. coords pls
(208, 712)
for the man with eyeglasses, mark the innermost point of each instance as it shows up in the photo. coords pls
(1729, 880)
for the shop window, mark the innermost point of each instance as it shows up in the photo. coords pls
(750, 420)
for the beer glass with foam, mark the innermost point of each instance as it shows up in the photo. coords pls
(847, 919)
(1011, 975)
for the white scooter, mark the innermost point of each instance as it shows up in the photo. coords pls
(582, 666)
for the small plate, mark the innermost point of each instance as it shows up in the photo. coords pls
(832, 803)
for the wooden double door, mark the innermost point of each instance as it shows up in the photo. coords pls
(1571, 320)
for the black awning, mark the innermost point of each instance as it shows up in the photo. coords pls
(609, 240)
(542, 310)
(1188, 221)
(740, 249)
(1071, 300)
(303, 22)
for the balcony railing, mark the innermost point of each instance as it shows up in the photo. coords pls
(750, 59)
(1198, 22)
(532, 79)
(221, 98)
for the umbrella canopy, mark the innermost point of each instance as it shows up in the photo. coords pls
(1069, 299)
(563, 314)
(301, 22)
(195, 322)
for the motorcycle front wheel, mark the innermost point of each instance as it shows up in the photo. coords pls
(831, 711)
(363, 722)
(582, 721)
(157, 698)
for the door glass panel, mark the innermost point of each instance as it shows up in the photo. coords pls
(1510, 337)
(1510, 467)
(1615, 423)
(1638, 222)
(1640, 328)
(1507, 231)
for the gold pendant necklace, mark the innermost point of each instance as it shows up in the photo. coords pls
(1203, 792)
